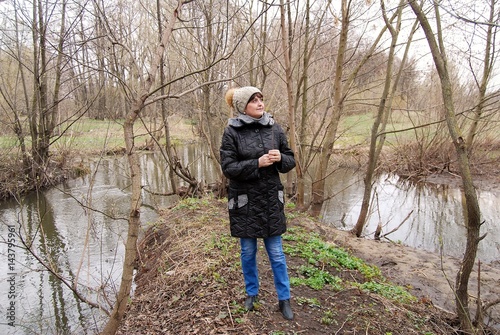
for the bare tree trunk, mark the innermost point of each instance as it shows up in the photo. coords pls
(38, 88)
(384, 109)
(134, 222)
(210, 125)
(337, 105)
(57, 84)
(163, 107)
(44, 111)
(471, 205)
(100, 112)
(300, 191)
(136, 177)
(488, 62)
(263, 51)
(168, 143)
(18, 129)
(285, 42)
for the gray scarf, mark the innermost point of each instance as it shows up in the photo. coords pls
(242, 119)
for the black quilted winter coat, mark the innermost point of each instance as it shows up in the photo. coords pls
(255, 195)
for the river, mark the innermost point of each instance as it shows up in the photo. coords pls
(79, 228)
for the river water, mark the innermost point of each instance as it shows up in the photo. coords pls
(79, 228)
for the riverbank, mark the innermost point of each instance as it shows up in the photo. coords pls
(189, 281)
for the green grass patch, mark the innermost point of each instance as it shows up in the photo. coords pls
(389, 291)
(316, 279)
(329, 317)
(311, 302)
(318, 252)
(191, 204)
(90, 135)
(321, 256)
(224, 243)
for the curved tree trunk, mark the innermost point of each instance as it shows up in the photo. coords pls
(471, 204)
(134, 221)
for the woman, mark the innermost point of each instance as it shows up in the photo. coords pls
(254, 151)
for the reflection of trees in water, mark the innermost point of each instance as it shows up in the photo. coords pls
(47, 245)
(434, 211)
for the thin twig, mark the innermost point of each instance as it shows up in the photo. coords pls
(399, 226)
(230, 314)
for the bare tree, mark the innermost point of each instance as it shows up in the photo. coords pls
(285, 40)
(336, 99)
(336, 104)
(303, 99)
(483, 80)
(12, 105)
(46, 101)
(384, 111)
(135, 175)
(471, 204)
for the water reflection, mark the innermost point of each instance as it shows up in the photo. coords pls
(76, 229)
(423, 216)
(41, 302)
(79, 228)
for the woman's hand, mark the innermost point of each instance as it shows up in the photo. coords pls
(270, 158)
(274, 155)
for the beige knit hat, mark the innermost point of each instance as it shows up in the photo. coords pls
(239, 97)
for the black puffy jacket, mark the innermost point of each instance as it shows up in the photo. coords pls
(255, 195)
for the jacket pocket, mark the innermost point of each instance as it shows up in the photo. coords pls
(238, 202)
(281, 197)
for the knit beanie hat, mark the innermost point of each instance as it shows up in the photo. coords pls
(240, 97)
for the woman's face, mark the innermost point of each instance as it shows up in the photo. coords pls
(255, 107)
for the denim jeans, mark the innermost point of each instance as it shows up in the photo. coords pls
(277, 259)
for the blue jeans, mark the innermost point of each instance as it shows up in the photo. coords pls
(277, 259)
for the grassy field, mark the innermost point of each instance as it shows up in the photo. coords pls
(104, 135)
(93, 136)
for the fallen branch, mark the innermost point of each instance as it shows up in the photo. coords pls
(399, 226)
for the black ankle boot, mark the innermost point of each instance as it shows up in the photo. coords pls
(249, 301)
(286, 309)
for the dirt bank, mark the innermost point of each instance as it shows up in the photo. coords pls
(189, 282)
